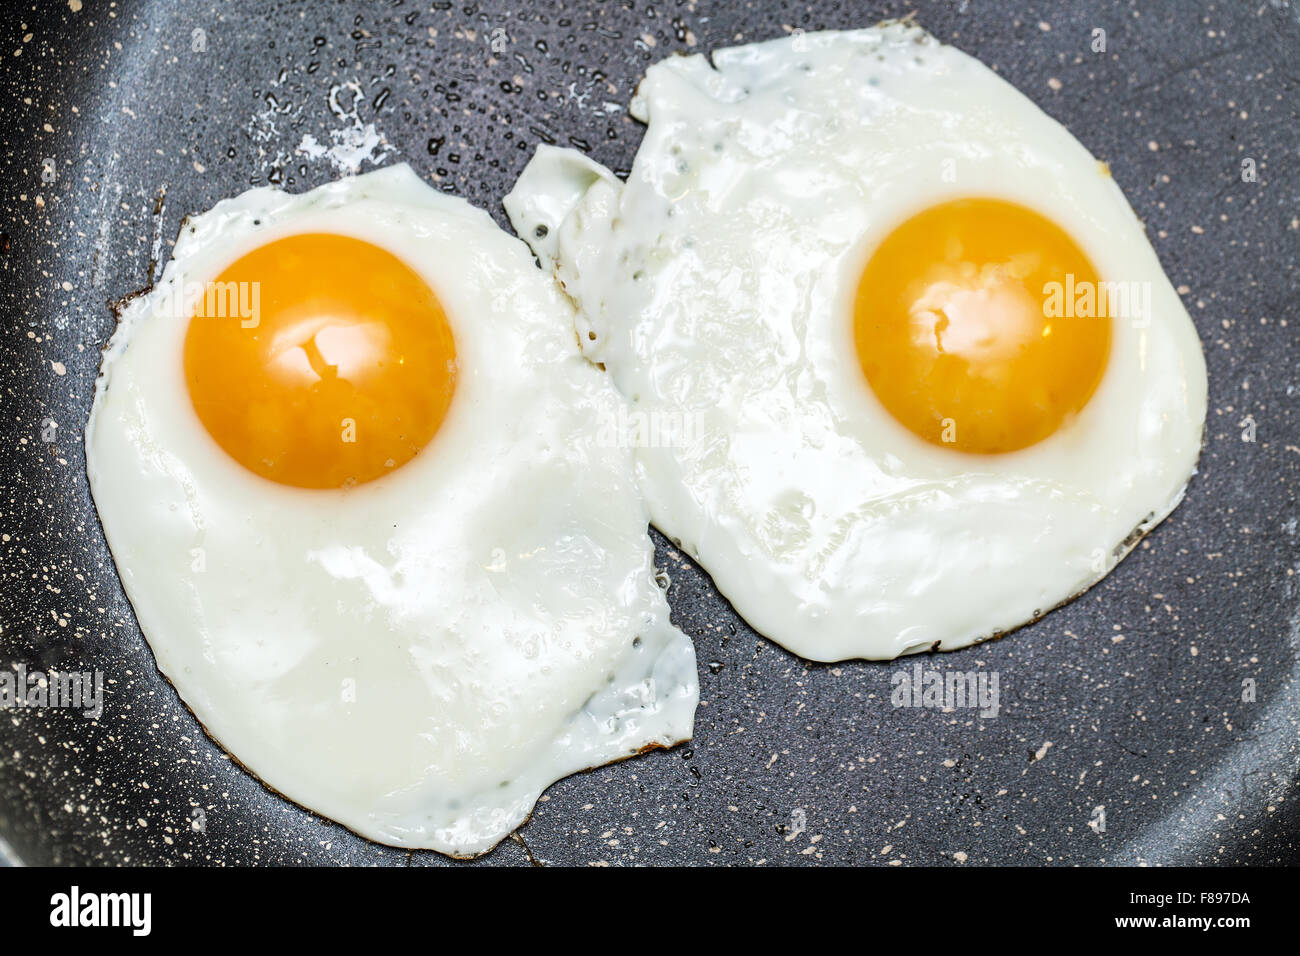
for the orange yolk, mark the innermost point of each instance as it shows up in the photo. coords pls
(955, 337)
(320, 361)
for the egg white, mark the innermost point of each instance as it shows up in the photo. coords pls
(717, 288)
(417, 657)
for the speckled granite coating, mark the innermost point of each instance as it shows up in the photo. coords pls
(1130, 699)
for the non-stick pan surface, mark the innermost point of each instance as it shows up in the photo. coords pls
(118, 119)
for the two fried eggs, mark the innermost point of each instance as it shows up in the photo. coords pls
(347, 459)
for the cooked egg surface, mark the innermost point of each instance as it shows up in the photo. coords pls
(855, 288)
(344, 331)
(367, 527)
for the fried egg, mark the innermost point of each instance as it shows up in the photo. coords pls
(343, 459)
(906, 372)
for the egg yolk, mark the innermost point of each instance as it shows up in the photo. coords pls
(320, 361)
(963, 335)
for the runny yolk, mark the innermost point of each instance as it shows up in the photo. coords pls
(320, 361)
(959, 336)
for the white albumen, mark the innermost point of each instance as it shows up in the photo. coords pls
(717, 288)
(420, 656)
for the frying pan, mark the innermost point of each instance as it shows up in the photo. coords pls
(1154, 720)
